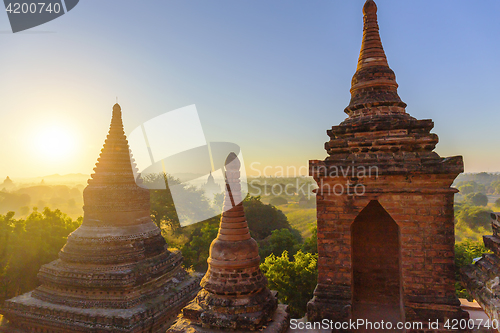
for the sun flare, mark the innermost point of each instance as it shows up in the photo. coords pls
(54, 142)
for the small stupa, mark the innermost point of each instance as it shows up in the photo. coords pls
(234, 294)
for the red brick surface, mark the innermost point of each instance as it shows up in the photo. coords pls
(388, 236)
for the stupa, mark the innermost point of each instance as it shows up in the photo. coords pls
(234, 294)
(115, 273)
(211, 188)
(384, 206)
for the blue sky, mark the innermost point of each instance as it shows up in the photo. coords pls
(271, 76)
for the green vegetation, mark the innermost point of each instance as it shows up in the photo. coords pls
(497, 203)
(465, 252)
(311, 244)
(476, 199)
(279, 241)
(27, 244)
(471, 222)
(301, 219)
(163, 211)
(294, 280)
(195, 250)
(485, 183)
(263, 219)
(278, 201)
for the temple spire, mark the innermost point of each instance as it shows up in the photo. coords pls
(233, 225)
(234, 291)
(114, 163)
(372, 53)
(113, 185)
(233, 232)
(374, 87)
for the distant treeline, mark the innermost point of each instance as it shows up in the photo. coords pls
(483, 182)
(22, 200)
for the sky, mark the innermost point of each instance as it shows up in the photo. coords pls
(269, 75)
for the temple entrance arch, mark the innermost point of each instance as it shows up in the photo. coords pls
(376, 265)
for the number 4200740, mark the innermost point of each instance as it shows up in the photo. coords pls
(33, 8)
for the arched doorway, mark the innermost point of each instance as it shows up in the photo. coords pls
(376, 261)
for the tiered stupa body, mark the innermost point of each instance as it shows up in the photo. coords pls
(384, 206)
(234, 293)
(115, 273)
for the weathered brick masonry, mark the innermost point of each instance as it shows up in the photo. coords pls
(384, 204)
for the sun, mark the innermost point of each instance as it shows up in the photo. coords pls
(54, 142)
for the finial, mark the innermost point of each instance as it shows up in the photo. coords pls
(373, 86)
(370, 7)
(232, 162)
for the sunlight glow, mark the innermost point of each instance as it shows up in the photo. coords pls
(54, 142)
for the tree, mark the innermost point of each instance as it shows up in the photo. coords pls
(476, 199)
(263, 219)
(28, 244)
(278, 201)
(311, 244)
(279, 241)
(218, 201)
(294, 280)
(163, 212)
(473, 217)
(465, 253)
(196, 250)
(497, 202)
(466, 189)
(470, 186)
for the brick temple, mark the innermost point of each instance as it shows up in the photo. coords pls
(115, 273)
(384, 206)
(234, 294)
(482, 279)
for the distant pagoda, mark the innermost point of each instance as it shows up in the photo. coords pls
(211, 188)
(234, 293)
(115, 273)
(7, 184)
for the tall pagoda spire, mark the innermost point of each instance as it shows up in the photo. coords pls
(234, 291)
(115, 273)
(114, 161)
(113, 187)
(374, 87)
